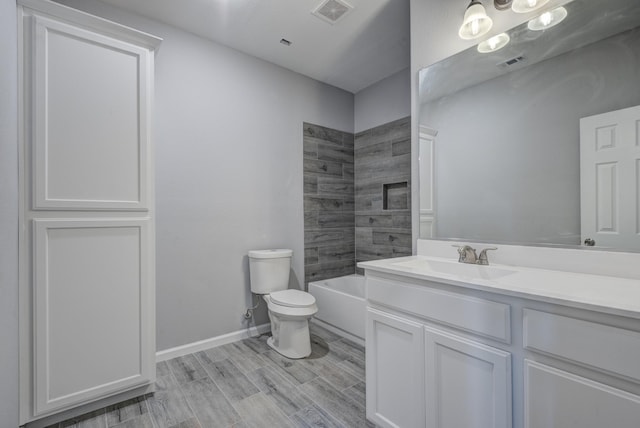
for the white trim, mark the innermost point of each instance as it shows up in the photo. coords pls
(91, 22)
(212, 342)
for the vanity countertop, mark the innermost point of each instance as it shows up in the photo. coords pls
(607, 294)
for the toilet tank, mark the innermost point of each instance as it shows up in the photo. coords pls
(269, 270)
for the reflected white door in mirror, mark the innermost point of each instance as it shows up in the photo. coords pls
(610, 179)
(427, 184)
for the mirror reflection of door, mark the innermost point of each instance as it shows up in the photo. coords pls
(610, 179)
(427, 186)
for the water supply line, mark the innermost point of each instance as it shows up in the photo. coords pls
(249, 314)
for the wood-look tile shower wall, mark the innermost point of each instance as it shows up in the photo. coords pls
(329, 234)
(383, 191)
(357, 197)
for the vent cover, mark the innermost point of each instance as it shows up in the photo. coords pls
(511, 62)
(332, 11)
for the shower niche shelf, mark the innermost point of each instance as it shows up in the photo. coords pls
(395, 196)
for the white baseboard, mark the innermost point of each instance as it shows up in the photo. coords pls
(201, 345)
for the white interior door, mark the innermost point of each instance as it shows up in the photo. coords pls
(610, 178)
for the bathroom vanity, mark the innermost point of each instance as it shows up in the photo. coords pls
(513, 344)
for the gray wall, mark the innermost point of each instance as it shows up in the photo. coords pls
(383, 102)
(512, 172)
(8, 217)
(383, 191)
(227, 136)
(329, 240)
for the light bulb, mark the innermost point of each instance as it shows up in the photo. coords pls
(476, 23)
(494, 43)
(526, 6)
(548, 19)
(475, 27)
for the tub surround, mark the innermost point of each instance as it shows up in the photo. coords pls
(518, 343)
(355, 184)
(383, 191)
(329, 243)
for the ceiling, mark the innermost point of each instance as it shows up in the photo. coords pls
(369, 43)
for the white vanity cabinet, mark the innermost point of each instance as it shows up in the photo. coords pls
(419, 373)
(444, 355)
(87, 300)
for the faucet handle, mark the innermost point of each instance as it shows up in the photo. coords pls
(482, 258)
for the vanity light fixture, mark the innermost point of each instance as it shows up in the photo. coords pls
(548, 19)
(494, 43)
(502, 4)
(476, 23)
(526, 6)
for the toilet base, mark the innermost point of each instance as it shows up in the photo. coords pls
(290, 338)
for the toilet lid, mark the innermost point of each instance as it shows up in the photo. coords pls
(292, 298)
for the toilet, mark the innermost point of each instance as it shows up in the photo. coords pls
(289, 310)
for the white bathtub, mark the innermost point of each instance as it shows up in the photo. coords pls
(341, 305)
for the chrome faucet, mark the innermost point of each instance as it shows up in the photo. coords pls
(468, 255)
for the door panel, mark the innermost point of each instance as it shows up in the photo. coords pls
(91, 293)
(468, 383)
(90, 99)
(395, 371)
(555, 398)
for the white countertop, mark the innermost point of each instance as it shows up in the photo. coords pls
(608, 294)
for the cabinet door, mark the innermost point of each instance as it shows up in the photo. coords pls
(89, 119)
(468, 384)
(87, 233)
(556, 398)
(395, 371)
(93, 327)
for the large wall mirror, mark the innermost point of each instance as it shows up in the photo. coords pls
(537, 143)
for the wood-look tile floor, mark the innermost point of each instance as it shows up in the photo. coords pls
(247, 384)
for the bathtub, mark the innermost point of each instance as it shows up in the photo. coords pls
(341, 305)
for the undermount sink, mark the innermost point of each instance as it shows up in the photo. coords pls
(454, 268)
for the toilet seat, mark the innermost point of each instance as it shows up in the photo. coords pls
(293, 299)
(290, 311)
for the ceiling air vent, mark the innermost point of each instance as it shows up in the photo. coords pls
(332, 11)
(511, 62)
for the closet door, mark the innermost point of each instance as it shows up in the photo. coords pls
(87, 299)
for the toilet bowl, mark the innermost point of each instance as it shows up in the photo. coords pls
(289, 310)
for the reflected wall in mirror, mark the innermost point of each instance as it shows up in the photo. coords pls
(502, 132)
